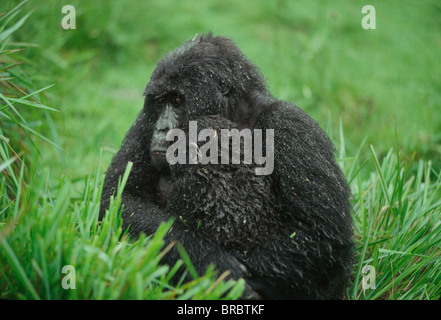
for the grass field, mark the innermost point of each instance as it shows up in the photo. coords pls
(67, 97)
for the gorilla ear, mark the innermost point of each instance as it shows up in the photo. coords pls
(224, 88)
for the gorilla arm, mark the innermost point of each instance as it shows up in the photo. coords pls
(312, 257)
(141, 212)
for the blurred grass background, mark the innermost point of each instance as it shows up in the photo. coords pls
(383, 84)
(365, 87)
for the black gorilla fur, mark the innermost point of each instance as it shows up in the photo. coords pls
(226, 203)
(306, 250)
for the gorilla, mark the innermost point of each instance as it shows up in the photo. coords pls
(287, 234)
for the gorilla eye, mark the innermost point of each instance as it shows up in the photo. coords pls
(176, 101)
(160, 100)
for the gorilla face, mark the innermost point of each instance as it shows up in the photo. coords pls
(169, 107)
(197, 79)
(178, 92)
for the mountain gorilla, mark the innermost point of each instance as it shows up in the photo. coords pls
(300, 242)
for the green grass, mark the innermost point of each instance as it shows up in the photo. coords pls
(64, 232)
(67, 97)
(398, 230)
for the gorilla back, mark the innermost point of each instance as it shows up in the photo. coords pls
(208, 75)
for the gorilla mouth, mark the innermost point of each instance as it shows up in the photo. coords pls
(159, 152)
(158, 158)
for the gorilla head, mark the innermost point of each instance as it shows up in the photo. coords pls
(204, 76)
